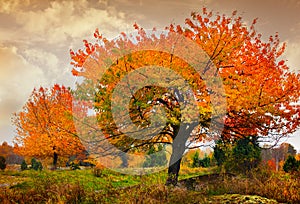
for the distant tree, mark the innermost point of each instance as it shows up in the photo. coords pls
(291, 164)
(238, 156)
(195, 160)
(5, 149)
(271, 164)
(198, 162)
(205, 162)
(222, 151)
(246, 154)
(288, 149)
(2, 163)
(45, 125)
(155, 157)
(7, 152)
(297, 156)
(278, 154)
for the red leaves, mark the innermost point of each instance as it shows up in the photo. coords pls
(97, 34)
(280, 63)
(256, 82)
(75, 72)
(135, 25)
(206, 20)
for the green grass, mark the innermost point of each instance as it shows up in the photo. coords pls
(83, 177)
(82, 186)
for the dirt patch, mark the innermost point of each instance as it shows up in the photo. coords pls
(236, 198)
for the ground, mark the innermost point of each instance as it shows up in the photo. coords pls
(82, 186)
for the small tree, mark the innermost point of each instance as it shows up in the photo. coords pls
(45, 125)
(205, 162)
(222, 152)
(246, 154)
(195, 160)
(241, 156)
(24, 165)
(2, 163)
(291, 164)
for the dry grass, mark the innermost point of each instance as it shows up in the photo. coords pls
(83, 187)
(280, 186)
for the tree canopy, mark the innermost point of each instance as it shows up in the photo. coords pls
(45, 126)
(131, 85)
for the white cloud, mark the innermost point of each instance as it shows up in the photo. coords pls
(20, 72)
(292, 55)
(35, 41)
(47, 61)
(12, 5)
(17, 80)
(17, 72)
(66, 20)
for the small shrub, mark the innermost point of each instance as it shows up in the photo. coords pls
(36, 165)
(291, 164)
(2, 163)
(239, 156)
(74, 166)
(197, 162)
(24, 165)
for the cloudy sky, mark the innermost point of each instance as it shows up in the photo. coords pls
(35, 37)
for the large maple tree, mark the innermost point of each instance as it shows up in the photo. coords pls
(45, 125)
(261, 93)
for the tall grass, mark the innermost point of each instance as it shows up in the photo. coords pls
(280, 186)
(81, 186)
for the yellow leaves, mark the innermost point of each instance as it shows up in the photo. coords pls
(45, 122)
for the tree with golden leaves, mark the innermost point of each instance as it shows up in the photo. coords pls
(45, 126)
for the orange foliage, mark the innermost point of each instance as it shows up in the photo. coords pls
(297, 156)
(260, 91)
(45, 124)
(271, 164)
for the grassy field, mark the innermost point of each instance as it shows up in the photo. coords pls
(195, 186)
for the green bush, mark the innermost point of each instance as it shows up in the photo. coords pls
(24, 165)
(222, 152)
(2, 163)
(197, 162)
(291, 164)
(205, 162)
(239, 156)
(246, 154)
(74, 166)
(36, 165)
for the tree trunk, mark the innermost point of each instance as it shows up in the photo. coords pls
(55, 158)
(173, 172)
(178, 148)
(124, 159)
